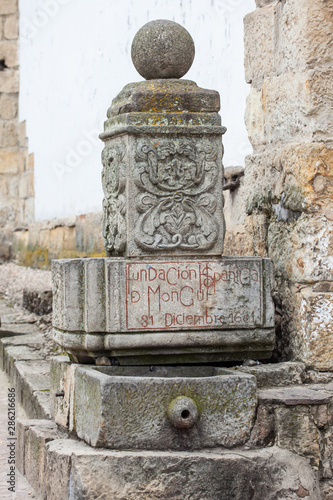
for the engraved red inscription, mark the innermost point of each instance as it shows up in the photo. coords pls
(193, 295)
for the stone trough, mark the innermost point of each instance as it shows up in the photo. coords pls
(161, 408)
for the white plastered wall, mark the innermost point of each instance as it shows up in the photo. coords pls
(75, 58)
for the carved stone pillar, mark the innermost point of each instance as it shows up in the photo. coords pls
(164, 295)
(163, 173)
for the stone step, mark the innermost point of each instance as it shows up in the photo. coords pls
(24, 357)
(295, 418)
(299, 419)
(60, 469)
(275, 374)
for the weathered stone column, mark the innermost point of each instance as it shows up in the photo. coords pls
(165, 294)
(288, 179)
(162, 175)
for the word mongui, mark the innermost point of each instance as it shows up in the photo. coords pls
(193, 295)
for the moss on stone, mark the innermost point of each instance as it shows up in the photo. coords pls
(41, 258)
(294, 199)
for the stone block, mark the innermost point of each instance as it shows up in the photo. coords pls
(305, 251)
(296, 431)
(323, 416)
(167, 96)
(170, 408)
(35, 434)
(68, 306)
(294, 396)
(57, 237)
(9, 81)
(260, 43)
(11, 27)
(306, 326)
(15, 353)
(13, 186)
(8, 106)
(105, 314)
(315, 326)
(62, 381)
(9, 161)
(8, 52)
(298, 38)
(8, 7)
(275, 375)
(8, 212)
(305, 34)
(300, 173)
(263, 431)
(291, 107)
(76, 469)
(10, 136)
(314, 377)
(32, 382)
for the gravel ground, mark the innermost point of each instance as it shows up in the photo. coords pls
(13, 280)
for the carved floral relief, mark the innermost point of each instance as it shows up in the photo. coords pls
(114, 203)
(176, 179)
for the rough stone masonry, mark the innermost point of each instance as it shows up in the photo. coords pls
(283, 208)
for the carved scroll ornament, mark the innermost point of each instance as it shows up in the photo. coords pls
(114, 203)
(176, 205)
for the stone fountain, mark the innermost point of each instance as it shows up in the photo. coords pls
(151, 329)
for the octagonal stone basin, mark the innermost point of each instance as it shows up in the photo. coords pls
(160, 408)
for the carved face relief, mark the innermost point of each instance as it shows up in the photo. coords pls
(114, 203)
(176, 204)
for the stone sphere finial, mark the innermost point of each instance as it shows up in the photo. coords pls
(162, 49)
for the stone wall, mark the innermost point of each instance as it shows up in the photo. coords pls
(16, 165)
(283, 208)
(21, 238)
(40, 242)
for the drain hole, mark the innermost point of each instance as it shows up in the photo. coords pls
(185, 414)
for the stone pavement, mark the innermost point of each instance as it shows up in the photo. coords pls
(14, 320)
(23, 489)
